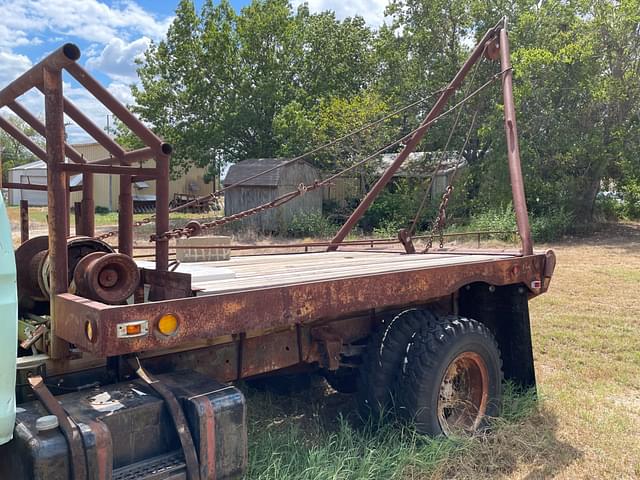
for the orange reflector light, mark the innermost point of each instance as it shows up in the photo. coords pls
(133, 329)
(168, 324)
(88, 330)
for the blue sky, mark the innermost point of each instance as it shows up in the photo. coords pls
(111, 35)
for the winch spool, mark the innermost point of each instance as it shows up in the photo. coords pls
(106, 277)
(32, 257)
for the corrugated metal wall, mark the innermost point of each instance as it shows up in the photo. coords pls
(37, 176)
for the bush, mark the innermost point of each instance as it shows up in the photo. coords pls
(551, 225)
(609, 209)
(387, 229)
(631, 203)
(311, 225)
(544, 227)
(397, 206)
(500, 219)
(102, 210)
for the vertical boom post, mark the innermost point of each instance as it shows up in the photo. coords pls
(513, 149)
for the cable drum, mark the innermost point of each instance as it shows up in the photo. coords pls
(106, 277)
(114, 276)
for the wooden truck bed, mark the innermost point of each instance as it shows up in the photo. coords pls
(254, 293)
(253, 272)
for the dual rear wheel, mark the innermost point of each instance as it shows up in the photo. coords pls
(444, 373)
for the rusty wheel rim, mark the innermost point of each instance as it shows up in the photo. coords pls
(463, 395)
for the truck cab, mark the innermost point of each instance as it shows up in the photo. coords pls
(8, 328)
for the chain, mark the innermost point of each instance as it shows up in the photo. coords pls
(441, 219)
(194, 228)
(137, 223)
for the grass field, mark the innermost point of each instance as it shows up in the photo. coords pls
(586, 423)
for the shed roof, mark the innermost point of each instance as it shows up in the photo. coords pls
(249, 168)
(421, 164)
(36, 165)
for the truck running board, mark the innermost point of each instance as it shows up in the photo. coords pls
(165, 467)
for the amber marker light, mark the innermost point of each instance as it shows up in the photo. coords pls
(88, 330)
(168, 324)
(133, 329)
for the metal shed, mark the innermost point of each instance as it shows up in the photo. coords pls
(34, 173)
(267, 187)
(106, 187)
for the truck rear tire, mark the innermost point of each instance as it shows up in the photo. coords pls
(453, 377)
(382, 367)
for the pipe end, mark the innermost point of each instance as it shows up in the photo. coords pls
(71, 51)
(166, 148)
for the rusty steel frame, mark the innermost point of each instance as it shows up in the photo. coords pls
(46, 77)
(290, 307)
(212, 316)
(24, 221)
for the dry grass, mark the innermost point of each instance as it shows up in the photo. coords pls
(586, 334)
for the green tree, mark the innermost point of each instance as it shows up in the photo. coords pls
(215, 85)
(298, 130)
(12, 151)
(577, 88)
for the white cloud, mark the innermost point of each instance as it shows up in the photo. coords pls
(117, 31)
(122, 92)
(118, 58)
(13, 65)
(371, 10)
(90, 20)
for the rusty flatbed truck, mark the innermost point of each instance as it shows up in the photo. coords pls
(124, 369)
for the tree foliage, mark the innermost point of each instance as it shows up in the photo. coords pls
(273, 81)
(12, 151)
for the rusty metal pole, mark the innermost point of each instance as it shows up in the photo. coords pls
(162, 212)
(77, 215)
(513, 149)
(24, 220)
(125, 216)
(67, 202)
(88, 206)
(58, 211)
(413, 141)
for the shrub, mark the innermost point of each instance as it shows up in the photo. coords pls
(499, 219)
(311, 224)
(387, 229)
(609, 209)
(396, 205)
(631, 204)
(102, 210)
(545, 227)
(551, 225)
